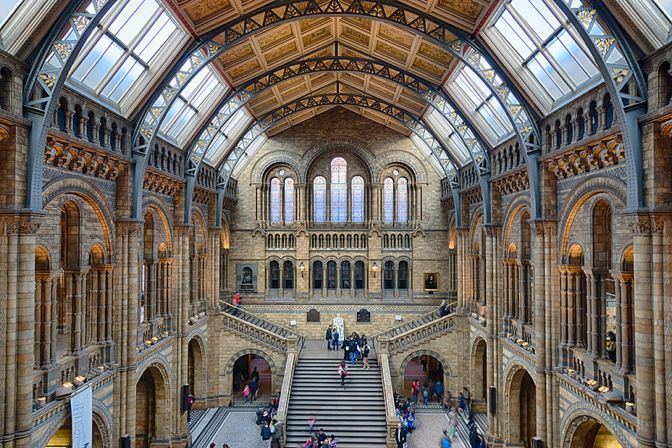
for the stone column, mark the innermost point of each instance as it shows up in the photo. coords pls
(39, 319)
(539, 262)
(564, 309)
(625, 304)
(572, 335)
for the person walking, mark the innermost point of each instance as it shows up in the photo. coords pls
(346, 348)
(425, 394)
(461, 403)
(438, 390)
(445, 440)
(400, 435)
(467, 400)
(277, 433)
(329, 336)
(353, 350)
(415, 390)
(330, 442)
(266, 435)
(343, 372)
(236, 303)
(365, 356)
(334, 341)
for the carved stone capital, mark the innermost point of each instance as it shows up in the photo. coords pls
(19, 225)
(647, 226)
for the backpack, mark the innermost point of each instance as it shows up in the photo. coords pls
(265, 433)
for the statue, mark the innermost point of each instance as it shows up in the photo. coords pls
(339, 325)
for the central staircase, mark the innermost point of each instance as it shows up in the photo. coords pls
(355, 414)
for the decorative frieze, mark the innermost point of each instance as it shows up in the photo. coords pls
(584, 159)
(160, 183)
(63, 154)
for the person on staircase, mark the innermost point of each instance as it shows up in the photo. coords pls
(343, 372)
(266, 435)
(346, 348)
(254, 383)
(277, 433)
(365, 357)
(438, 390)
(321, 436)
(330, 442)
(329, 336)
(415, 390)
(425, 393)
(335, 337)
(400, 435)
(353, 350)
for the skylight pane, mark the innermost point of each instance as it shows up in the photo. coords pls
(547, 76)
(515, 35)
(99, 62)
(127, 26)
(195, 83)
(122, 81)
(7, 7)
(540, 18)
(155, 38)
(184, 117)
(205, 92)
(665, 6)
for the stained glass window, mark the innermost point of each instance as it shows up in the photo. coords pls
(276, 200)
(339, 190)
(388, 200)
(319, 199)
(402, 200)
(357, 199)
(289, 200)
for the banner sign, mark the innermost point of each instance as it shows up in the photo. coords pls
(81, 409)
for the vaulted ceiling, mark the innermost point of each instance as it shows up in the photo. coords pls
(318, 37)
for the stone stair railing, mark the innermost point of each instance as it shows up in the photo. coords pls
(286, 390)
(258, 329)
(388, 390)
(418, 322)
(418, 334)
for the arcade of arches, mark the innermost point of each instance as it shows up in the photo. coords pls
(364, 158)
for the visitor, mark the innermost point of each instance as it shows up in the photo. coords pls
(443, 309)
(321, 436)
(467, 399)
(452, 423)
(448, 403)
(246, 393)
(415, 390)
(365, 357)
(311, 442)
(346, 348)
(400, 435)
(213, 445)
(445, 440)
(474, 438)
(343, 372)
(330, 442)
(425, 394)
(353, 349)
(236, 304)
(611, 346)
(311, 422)
(265, 417)
(329, 336)
(423, 362)
(253, 389)
(438, 390)
(410, 419)
(277, 433)
(266, 435)
(461, 403)
(335, 336)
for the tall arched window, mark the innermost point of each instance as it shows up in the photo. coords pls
(274, 275)
(388, 200)
(357, 213)
(289, 200)
(402, 200)
(402, 275)
(319, 199)
(388, 275)
(345, 275)
(339, 190)
(317, 275)
(332, 275)
(288, 275)
(276, 200)
(359, 275)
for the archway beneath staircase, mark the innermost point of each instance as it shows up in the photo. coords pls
(241, 370)
(522, 417)
(425, 366)
(479, 370)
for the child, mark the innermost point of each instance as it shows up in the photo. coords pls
(311, 422)
(343, 372)
(246, 393)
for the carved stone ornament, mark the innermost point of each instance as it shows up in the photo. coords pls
(20, 226)
(647, 227)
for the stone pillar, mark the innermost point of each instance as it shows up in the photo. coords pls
(539, 262)
(625, 306)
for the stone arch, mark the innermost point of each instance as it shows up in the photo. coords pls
(161, 210)
(579, 195)
(517, 205)
(102, 422)
(576, 421)
(197, 363)
(438, 356)
(520, 399)
(278, 157)
(345, 146)
(479, 365)
(152, 396)
(412, 162)
(250, 351)
(275, 374)
(88, 193)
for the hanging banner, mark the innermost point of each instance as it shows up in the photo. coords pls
(81, 409)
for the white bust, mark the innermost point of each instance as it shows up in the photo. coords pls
(339, 325)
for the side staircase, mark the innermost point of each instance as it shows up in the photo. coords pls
(419, 321)
(355, 414)
(255, 320)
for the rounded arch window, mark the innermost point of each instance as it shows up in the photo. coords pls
(274, 275)
(357, 199)
(319, 199)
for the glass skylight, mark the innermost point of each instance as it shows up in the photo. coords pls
(664, 5)
(125, 47)
(229, 136)
(544, 47)
(7, 8)
(194, 103)
(450, 139)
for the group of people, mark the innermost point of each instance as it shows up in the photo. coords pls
(355, 347)
(429, 391)
(271, 428)
(319, 439)
(251, 388)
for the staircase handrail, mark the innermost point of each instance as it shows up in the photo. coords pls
(391, 418)
(269, 338)
(226, 307)
(286, 389)
(392, 332)
(420, 333)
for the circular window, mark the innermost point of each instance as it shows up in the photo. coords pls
(395, 172)
(282, 172)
